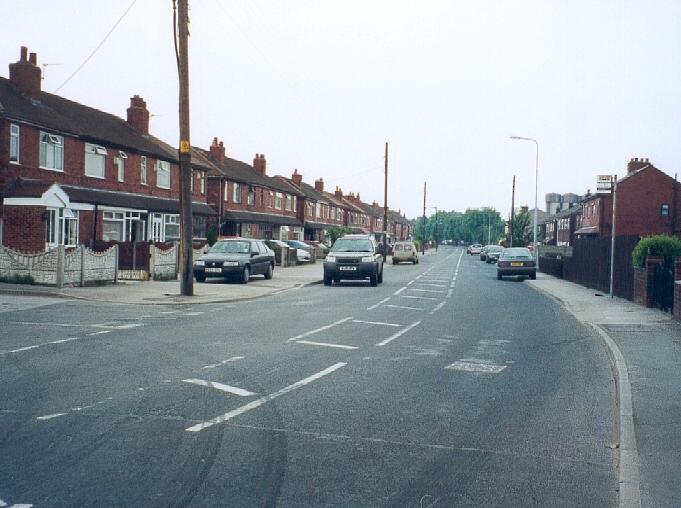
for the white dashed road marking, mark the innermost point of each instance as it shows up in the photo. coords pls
(49, 417)
(219, 386)
(375, 323)
(320, 329)
(476, 365)
(437, 307)
(325, 344)
(418, 297)
(378, 304)
(222, 362)
(398, 334)
(403, 307)
(263, 400)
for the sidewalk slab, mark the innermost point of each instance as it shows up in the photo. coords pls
(214, 290)
(649, 343)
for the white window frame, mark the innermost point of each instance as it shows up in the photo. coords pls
(95, 161)
(120, 168)
(55, 144)
(251, 196)
(162, 168)
(202, 182)
(143, 170)
(226, 196)
(289, 202)
(60, 222)
(117, 217)
(236, 193)
(277, 200)
(14, 138)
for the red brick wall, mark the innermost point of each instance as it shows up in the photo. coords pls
(23, 228)
(643, 281)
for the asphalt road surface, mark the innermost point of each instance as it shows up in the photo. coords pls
(440, 387)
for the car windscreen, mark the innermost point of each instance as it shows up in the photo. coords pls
(352, 245)
(231, 247)
(516, 253)
(494, 249)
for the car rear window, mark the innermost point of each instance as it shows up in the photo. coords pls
(516, 253)
(398, 247)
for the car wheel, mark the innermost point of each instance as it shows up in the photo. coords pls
(245, 275)
(373, 279)
(336, 280)
(394, 261)
(327, 280)
(269, 272)
(533, 276)
(200, 278)
(499, 276)
(380, 277)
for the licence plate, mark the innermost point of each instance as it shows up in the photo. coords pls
(517, 264)
(348, 268)
(213, 270)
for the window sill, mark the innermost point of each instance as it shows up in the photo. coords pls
(52, 169)
(95, 176)
(16, 163)
(162, 187)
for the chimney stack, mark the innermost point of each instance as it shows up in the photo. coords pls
(636, 163)
(259, 163)
(319, 185)
(297, 177)
(217, 150)
(138, 114)
(25, 74)
(338, 192)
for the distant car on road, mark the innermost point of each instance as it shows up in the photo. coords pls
(354, 257)
(483, 252)
(493, 253)
(235, 258)
(405, 251)
(474, 249)
(516, 261)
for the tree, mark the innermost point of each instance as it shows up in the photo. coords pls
(519, 232)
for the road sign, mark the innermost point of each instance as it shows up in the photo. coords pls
(604, 183)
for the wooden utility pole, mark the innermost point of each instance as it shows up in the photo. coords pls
(512, 212)
(423, 242)
(385, 206)
(186, 222)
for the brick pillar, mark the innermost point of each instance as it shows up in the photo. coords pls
(643, 281)
(676, 314)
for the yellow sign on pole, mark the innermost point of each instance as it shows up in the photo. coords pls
(184, 146)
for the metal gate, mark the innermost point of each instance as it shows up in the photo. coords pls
(663, 288)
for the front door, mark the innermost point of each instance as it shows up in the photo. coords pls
(156, 228)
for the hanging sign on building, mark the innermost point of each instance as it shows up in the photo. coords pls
(604, 183)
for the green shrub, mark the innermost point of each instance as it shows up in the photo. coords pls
(661, 245)
(336, 232)
(212, 236)
(17, 279)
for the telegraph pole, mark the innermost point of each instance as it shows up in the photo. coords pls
(385, 206)
(423, 243)
(186, 254)
(512, 211)
(612, 234)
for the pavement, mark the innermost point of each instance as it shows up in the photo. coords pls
(645, 348)
(214, 290)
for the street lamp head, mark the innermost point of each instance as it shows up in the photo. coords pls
(522, 138)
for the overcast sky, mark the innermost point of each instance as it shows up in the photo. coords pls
(321, 86)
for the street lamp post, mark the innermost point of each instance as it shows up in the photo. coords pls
(436, 226)
(536, 180)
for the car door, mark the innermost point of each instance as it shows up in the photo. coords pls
(256, 259)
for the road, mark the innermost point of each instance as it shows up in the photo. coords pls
(440, 387)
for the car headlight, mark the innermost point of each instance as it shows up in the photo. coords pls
(200, 263)
(367, 259)
(230, 263)
(330, 258)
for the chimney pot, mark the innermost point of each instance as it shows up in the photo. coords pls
(33, 58)
(217, 150)
(138, 114)
(25, 74)
(297, 177)
(260, 164)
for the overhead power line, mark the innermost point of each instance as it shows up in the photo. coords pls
(96, 48)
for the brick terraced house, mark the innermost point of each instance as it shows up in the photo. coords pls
(247, 201)
(71, 174)
(648, 203)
